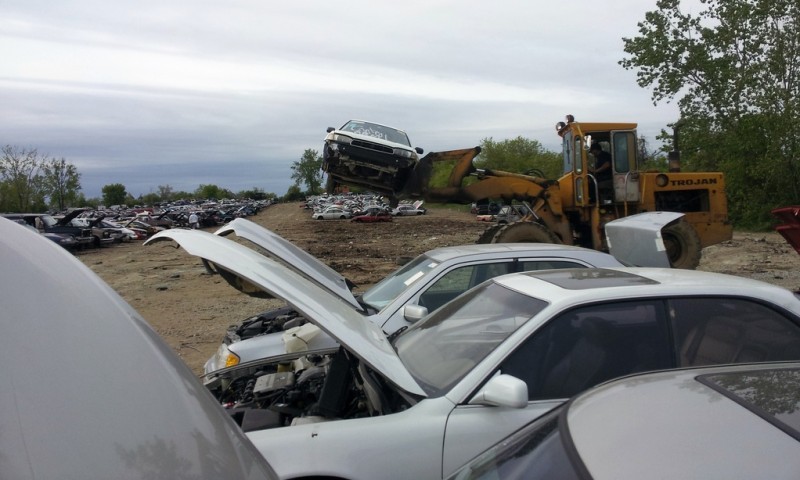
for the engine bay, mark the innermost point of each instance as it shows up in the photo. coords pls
(307, 387)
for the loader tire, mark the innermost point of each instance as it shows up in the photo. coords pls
(488, 234)
(682, 244)
(524, 232)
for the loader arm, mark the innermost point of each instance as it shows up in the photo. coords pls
(490, 184)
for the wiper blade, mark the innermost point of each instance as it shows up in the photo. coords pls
(396, 334)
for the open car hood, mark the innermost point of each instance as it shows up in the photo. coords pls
(67, 219)
(252, 270)
(297, 259)
(636, 239)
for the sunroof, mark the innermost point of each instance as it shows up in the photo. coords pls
(773, 394)
(587, 278)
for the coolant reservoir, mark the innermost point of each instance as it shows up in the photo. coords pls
(296, 338)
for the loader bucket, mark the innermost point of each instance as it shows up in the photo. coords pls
(790, 226)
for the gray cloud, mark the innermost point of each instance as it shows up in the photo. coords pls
(189, 93)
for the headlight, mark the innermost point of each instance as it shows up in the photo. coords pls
(340, 138)
(400, 152)
(226, 358)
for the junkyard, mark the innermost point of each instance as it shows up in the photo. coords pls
(191, 309)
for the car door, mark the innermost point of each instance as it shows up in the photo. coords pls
(573, 351)
(720, 330)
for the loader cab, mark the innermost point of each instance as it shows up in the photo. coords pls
(617, 139)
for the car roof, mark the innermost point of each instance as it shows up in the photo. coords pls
(722, 422)
(89, 390)
(567, 287)
(444, 254)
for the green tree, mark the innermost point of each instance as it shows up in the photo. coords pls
(150, 198)
(212, 192)
(734, 68)
(61, 182)
(114, 194)
(21, 179)
(293, 194)
(165, 193)
(255, 194)
(308, 171)
(519, 155)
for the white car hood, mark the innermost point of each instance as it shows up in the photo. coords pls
(636, 239)
(360, 336)
(368, 138)
(299, 260)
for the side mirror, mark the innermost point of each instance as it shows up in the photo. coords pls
(419, 150)
(330, 129)
(414, 313)
(502, 391)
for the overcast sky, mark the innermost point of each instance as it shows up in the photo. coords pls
(184, 93)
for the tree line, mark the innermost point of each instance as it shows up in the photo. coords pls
(33, 182)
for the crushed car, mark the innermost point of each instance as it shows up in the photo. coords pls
(462, 375)
(370, 155)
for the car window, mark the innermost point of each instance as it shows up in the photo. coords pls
(586, 346)
(385, 291)
(716, 330)
(459, 280)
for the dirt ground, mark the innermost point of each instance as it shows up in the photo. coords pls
(191, 309)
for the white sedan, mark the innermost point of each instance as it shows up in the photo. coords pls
(332, 213)
(408, 210)
(473, 371)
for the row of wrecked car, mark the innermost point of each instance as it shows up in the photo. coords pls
(83, 228)
(416, 396)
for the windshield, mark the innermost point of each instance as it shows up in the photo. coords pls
(442, 348)
(385, 291)
(377, 131)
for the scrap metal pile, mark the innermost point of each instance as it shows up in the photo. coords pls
(78, 229)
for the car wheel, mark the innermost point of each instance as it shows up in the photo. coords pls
(682, 244)
(342, 217)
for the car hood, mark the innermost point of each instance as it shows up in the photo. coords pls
(636, 239)
(66, 219)
(297, 259)
(370, 139)
(360, 336)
